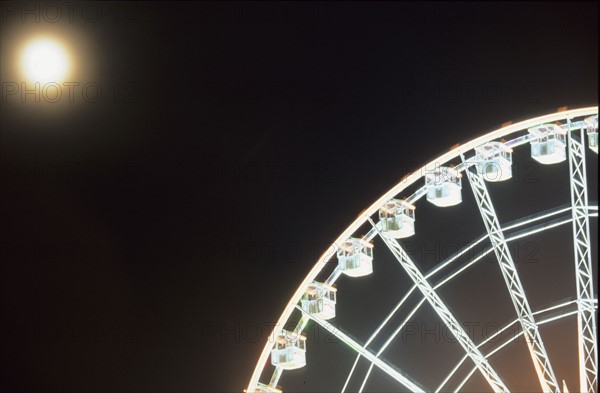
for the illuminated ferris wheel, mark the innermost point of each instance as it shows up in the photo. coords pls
(487, 163)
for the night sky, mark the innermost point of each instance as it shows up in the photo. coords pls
(147, 231)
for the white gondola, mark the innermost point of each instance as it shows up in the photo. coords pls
(397, 218)
(289, 351)
(355, 257)
(548, 145)
(494, 161)
(262, 388)
(592, 132)
(319, 300)
(443, 186)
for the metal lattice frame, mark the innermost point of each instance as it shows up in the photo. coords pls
(586, 321)
(444, 313)
(592, 212)
(586, 301)
(533, 338)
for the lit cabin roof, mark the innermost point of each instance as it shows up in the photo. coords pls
(491, 148)
(545, 130)
(393, 203)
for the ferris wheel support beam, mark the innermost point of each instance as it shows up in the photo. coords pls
(444, 313)
(391, 371)
(532, 335)
(586, 321)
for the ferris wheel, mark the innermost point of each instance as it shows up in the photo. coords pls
(560, 140)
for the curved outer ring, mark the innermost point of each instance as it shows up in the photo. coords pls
(393, 192)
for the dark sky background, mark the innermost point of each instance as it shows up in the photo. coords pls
(148, 232)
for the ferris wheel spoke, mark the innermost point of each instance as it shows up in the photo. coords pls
(563, 314)
(381, 364)
(392, 337)
(444, 313)
(440, 266)
(351, 372)
(541, 362)
(586, 321)
(529, 230)
(375, 334)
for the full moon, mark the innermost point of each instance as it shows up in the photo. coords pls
(45, 60)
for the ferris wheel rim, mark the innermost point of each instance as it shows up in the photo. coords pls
(407, 181)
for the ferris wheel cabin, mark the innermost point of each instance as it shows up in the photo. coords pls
(355, 257)
(443, 186)
(289, 351)
(397, 218)
(319, 300)
(494, 161)
(549, 144)
(592, 132)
